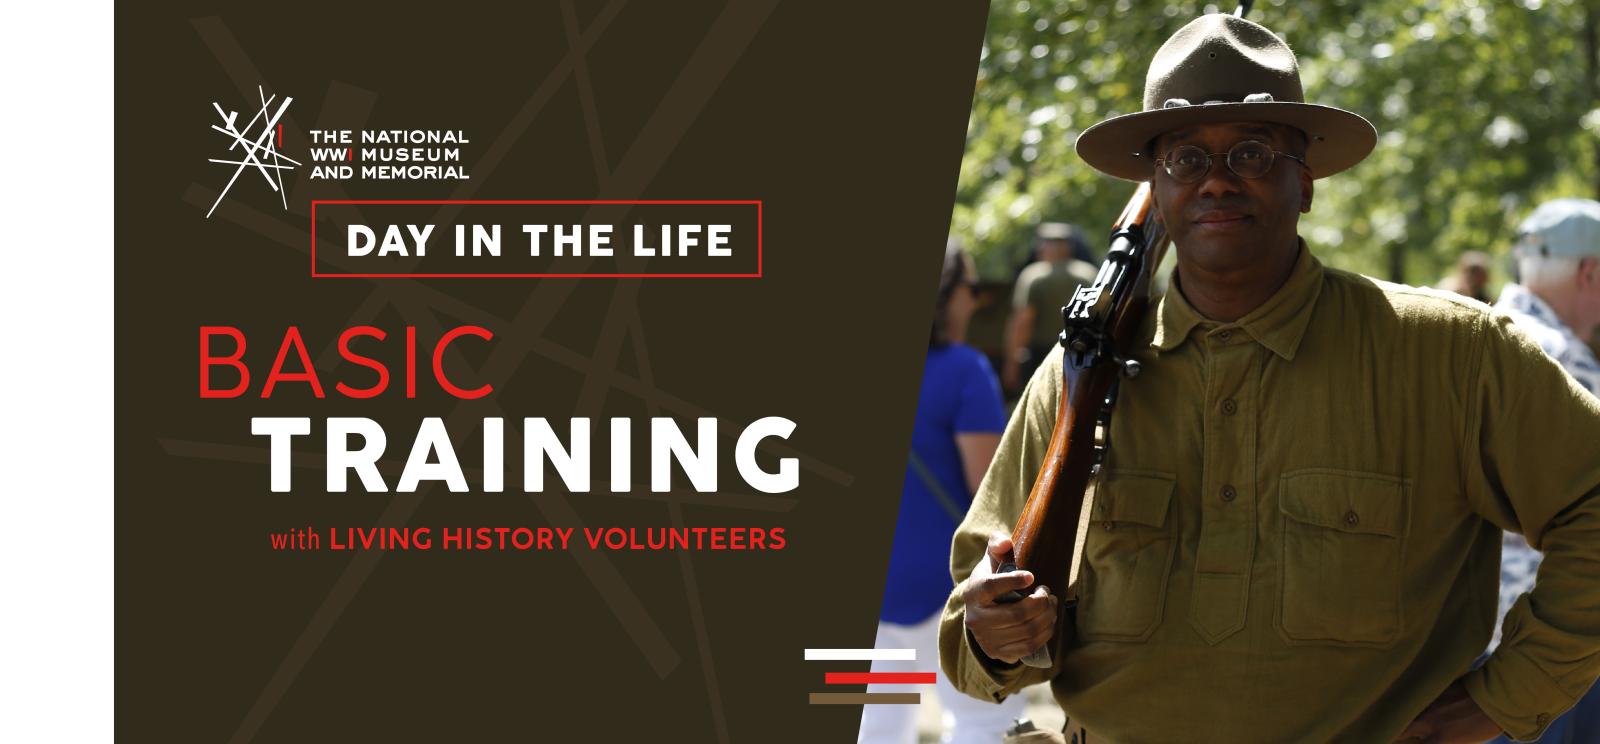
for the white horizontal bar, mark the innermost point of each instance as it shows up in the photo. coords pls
(861, 654)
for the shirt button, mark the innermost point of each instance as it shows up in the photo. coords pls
(1351, 518)
(1225, 335)
(1229, 407)
(1106, 525)
(1541, 719)
(1228, 493)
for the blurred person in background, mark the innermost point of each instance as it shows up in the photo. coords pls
(1557, 302)
(959, 419)
(1471, 276)
(1557, 299)
(1042, 289)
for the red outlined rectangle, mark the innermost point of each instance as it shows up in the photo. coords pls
(757, 203)
(881, 678)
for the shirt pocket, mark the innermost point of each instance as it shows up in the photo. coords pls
(1127, 557)
(1343, 551)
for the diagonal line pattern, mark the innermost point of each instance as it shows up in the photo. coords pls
(580, 72)
(525, 116)
(296, 238)
(501, 146)
(726, 40)
(597, 567)
(691, 587)
(636, 331)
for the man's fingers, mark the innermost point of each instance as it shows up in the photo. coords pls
(999, 549)
(1013, 652)
(1014, 642)
(993, 616)
(1452, 718)
(1045, 622)
(988, 589)
(1008, 630)
(1418, 730)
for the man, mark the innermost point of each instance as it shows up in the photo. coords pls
(1558, 299)
(1296, 531)
(1042, 288)
(1470, 277)
(1558, 259)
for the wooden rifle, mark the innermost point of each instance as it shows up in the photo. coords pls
(1102, 324)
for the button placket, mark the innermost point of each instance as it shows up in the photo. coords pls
(1220, 593)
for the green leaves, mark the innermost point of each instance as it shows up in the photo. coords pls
(1481, 107)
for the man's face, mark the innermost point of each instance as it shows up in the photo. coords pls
(1054, 250)
(1589, 299)
(1477, 277)
(1221, 222)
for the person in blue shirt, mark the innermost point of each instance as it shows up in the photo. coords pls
(960, 416)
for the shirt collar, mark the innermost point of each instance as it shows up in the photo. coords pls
(1278, 324)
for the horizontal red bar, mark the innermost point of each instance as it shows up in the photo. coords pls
(557, 202)
(880, 678)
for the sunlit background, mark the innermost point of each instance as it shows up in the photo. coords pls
(1483, 110)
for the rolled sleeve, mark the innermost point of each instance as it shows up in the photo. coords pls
(1513, 689)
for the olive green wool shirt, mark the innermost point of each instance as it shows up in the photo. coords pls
(1296, 534)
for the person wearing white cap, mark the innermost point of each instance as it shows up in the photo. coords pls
(1557, 301)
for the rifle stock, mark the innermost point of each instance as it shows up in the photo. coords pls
(1102, 325)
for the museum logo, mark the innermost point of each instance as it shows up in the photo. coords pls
(254, 145)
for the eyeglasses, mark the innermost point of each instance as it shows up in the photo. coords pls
(1248, 159)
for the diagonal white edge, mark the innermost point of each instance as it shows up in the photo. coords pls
(861, 654)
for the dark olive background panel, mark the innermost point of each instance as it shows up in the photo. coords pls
(846, 119)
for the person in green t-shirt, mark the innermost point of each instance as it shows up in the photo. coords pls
(1042, 288)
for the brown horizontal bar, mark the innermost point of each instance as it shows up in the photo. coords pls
(865, 698)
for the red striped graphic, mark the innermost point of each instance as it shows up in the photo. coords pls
(882, 678)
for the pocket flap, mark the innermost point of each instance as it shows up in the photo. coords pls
(1141, 498)
(1363, 503)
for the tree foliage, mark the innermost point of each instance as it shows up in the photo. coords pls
(1484, 108)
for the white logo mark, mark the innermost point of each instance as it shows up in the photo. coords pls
(257, 150)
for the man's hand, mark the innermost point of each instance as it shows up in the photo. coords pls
(1452, 718)
(1006, 632)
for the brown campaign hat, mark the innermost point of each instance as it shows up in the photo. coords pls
(1221, 68)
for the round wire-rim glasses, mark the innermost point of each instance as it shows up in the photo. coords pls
(1247, 159)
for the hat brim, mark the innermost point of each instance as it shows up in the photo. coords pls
(1338, 138)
